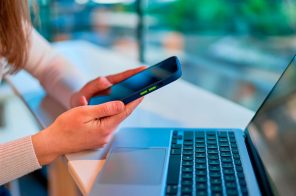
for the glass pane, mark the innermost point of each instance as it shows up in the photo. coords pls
(236, 49)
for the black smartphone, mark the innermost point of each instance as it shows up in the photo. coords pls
(141, 83)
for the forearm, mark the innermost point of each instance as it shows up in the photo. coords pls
(61, 79)
(17, 158)
(56, 74)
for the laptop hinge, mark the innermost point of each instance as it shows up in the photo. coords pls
(259, 169)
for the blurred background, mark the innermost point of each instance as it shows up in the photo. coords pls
(234, 48)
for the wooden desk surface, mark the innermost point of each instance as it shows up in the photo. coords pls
(179, 104)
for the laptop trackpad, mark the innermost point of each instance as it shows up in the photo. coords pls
(139, 166)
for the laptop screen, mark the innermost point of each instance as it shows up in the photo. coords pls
(273, 132)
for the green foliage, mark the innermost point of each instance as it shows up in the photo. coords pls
(259, 17)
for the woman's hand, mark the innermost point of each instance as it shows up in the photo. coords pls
(82, 97)
(81, 128)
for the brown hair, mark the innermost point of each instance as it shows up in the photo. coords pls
(15, 28)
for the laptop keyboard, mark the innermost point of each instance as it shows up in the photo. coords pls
(205, 163)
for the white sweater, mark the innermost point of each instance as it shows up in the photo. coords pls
(60, 80)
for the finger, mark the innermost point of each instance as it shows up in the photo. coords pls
(123, 75)
(83, 101)
(112, 122)
(94, 86)
(104, 110)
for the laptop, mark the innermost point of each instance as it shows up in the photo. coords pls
(260, 160)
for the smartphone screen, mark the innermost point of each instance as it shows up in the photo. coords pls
(138, 84)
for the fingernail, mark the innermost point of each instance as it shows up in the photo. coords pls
(119, 105)
(106, 82)
(83, 101)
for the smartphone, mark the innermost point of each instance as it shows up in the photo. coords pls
(141, 83)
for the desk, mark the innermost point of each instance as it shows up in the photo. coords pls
(179, 104)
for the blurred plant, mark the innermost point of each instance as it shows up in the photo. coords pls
(255, 17)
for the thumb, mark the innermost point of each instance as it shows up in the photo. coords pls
(94, 86)
(106, 109)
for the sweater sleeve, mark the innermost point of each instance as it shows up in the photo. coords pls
(17, 158)
(57, 76)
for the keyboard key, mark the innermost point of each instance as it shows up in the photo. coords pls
(225, 154)
(212, 146)
(200, 145)
(223, 139)
(175, 132)
(213, 156)
(187, 158)
(188, 147)
(227, 165)
(201, 172)
(200, 140)
(200, 160)
(223, 144)
(216, 181)
(187, 163)
(176, 151)
(215, 174)
(235, 150)
(244, 190)
(232, 139)
(174, 170)
(211, 133)
(225, 149)
(201, 186)
(187, 152)
(216, 189)
(211, 138)
(188, 143)
(200, 155)
(226, 159)
(200, 166)
(239, 168)
(211, 151)
(214, 168)
(232, 192)
(187, 176)
(174, 141)
(187, 169)
(200, 150)
(236, 156)
(214, 162)
(176, 146)
(242, 182)
(199, 134)
(212, 142)
(178, 137)
(230, 185)
(186, 189)
(200, 179)
(228, 171)
(186, 182)
(233, 145)
(201, 192)
(229, 178)
(237, 162)
(172, 189)
(188, 135)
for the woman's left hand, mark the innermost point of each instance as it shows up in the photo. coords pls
(82, 97)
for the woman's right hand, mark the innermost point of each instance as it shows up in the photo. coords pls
(81, 128)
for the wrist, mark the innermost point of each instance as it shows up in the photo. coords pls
(45, 150)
